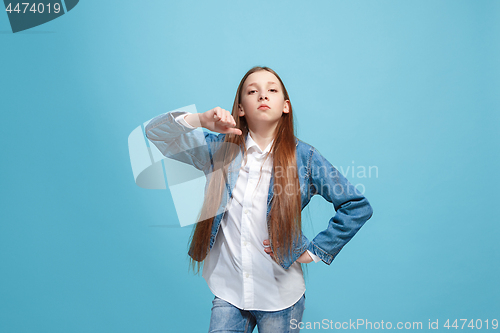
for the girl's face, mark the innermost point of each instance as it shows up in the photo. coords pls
(262, 89)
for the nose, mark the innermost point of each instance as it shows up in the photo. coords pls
(263, 96)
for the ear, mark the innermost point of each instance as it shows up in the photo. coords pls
(241, 113)
(286, 107)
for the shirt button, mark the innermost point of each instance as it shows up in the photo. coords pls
(246, 211)
(245, 243)
(247, 275)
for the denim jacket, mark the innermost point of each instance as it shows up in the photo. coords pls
(316, 176)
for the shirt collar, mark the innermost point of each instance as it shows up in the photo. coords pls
(251, 143)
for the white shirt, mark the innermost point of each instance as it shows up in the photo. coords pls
(237, 269)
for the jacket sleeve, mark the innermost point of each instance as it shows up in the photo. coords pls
(352, 209)
(174, 140)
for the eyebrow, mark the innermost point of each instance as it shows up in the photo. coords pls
(253, 83)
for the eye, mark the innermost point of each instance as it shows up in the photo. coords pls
(274, 90)
(251, 91)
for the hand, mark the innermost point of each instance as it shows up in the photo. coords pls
(267, 248)
(220, 121)
(305, 258)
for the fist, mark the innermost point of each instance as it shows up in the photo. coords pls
(220, 121)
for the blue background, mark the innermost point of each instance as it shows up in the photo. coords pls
(408, 87)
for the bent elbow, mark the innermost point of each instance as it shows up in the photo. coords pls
(152, 133)
(369, 210)
(147, 131)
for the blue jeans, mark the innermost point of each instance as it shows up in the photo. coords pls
(228, 318)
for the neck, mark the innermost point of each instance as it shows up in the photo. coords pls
(263, 135)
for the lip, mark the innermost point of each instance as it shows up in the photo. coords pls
(263, 107)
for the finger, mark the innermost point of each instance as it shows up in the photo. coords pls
(236, 131)
(269, 251)
(266, 242)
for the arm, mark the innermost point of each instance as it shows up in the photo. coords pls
(174, 134)
(352, 208)
(178, 141)
(181, 119)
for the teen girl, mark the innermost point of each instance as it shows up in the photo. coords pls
(259, 178)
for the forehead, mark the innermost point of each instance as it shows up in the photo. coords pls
(261, 77)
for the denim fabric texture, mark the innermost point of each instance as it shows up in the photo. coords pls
(228, 318)
(317, 176)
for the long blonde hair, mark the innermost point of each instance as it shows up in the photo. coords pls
(285, 214)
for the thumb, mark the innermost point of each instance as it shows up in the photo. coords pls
(236, 131)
